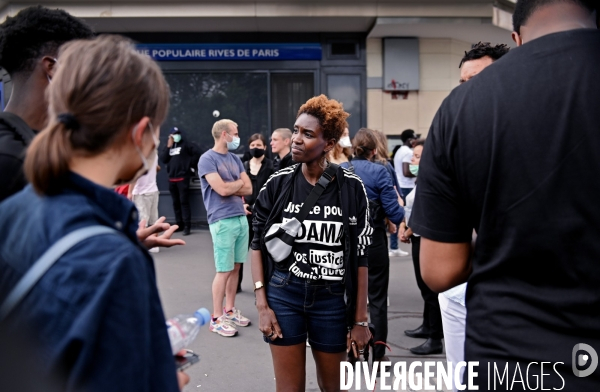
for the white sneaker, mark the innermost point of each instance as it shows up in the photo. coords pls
(397, 253)
(234, 316)
(156, 249)
(222, 326)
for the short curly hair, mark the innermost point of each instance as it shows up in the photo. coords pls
(330, 113)
(35, 32)
(483, 49)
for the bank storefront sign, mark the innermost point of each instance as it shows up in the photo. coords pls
(230, 52)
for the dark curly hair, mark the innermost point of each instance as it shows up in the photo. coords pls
(525, 8)
(483, 49)
(329, 112)
(35, 32)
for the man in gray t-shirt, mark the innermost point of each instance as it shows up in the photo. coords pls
(224, 182)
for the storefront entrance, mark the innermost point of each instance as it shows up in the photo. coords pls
(259, 95)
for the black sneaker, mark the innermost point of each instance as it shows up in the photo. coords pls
(180, 228)
(187, 231)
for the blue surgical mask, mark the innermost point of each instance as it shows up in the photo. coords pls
(176, 138)
(414, 169)
(234, 144)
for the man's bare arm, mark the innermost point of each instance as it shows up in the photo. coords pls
(246, 189)
(224, 188)
(444, 265)
(406, 170)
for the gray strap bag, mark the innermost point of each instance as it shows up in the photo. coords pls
(43, 264)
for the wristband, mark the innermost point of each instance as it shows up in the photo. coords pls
(362, 323)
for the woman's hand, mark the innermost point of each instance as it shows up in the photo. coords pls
(404, 234)
(391, 227)
(358, 339)
(267, 323)
(182, 379)
(150, 238)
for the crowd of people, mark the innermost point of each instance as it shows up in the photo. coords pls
(488, 197)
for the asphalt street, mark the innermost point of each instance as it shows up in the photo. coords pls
(243, 363)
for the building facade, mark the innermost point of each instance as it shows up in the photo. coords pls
(390, 62)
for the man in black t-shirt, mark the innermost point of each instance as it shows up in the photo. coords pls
(513, 154)
(29, 44)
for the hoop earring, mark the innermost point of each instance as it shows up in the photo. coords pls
(323, 163)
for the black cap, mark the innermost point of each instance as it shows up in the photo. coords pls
(174, 130)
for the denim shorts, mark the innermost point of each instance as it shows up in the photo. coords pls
(305, 308)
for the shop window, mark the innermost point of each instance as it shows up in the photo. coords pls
(197, 96)
(346, 89)
(343, 50)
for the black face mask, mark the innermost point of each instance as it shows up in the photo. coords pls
(257, 152)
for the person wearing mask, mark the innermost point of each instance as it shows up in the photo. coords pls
(281, 140)
(383, 203)
(259, 168)
(432, 327)
(224, 183)
(320, 290)
(402, 161)
(29, 44)
(144, 194)
(181, 157)
(342, 152)
(98, 305)
(533, 272)
(382, 157)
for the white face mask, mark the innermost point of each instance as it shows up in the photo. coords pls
(345, 142)
(146, 161)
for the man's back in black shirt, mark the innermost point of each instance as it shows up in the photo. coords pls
(515, 154)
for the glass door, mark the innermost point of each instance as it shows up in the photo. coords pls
(289, 91)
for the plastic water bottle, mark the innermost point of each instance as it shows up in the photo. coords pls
(184, 328)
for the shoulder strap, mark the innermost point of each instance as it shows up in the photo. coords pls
(319, 188)
(43, 264)
(15, 122)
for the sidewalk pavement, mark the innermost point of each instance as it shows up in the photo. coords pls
(243, 363)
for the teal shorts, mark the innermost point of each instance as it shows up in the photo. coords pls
(230, 242)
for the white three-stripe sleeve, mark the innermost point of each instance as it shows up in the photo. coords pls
(364, 236)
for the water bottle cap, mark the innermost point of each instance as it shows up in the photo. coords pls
(203, 316)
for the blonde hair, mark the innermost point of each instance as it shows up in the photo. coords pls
(105, 87)
(382, 150)
(220, 126)
(284, 132)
